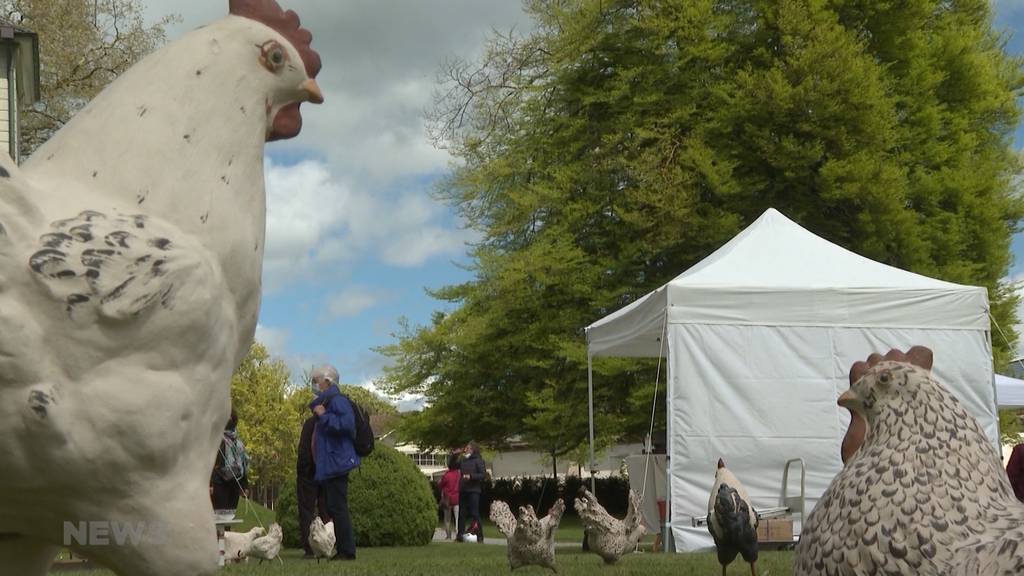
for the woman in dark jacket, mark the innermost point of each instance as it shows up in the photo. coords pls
(227, 486)
(470, 485)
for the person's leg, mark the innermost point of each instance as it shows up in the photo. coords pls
(461, 529)
(474, 511)
(305, 497)
(338, 503)
(446, 512)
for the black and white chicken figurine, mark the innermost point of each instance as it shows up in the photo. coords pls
(732, 520)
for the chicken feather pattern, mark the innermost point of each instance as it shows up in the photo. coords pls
(925, 494)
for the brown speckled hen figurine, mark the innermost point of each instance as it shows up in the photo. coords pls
(924, 495)
(131, 249)
(531, 540)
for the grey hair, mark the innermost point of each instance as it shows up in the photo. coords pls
(325, 371)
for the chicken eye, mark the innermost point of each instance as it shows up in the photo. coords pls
(885, 377)
(273, 56)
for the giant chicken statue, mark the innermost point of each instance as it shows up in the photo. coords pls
(131, 248)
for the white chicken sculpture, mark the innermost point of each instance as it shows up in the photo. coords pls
(732, 520)
(269, 546)
(322, 539)
(925, 494)
(608, 536)
(531, 540)
(131, 249)
(238, 545)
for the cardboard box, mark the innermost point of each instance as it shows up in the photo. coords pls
(775, 530)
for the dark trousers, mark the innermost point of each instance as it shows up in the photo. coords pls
(225, 495)
(336, 491)
(469, 511)
(310, 500)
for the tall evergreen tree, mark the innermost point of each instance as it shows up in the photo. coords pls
(624, 140)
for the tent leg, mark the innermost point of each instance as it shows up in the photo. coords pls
(590, 408)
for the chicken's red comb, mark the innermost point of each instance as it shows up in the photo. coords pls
(286, 23)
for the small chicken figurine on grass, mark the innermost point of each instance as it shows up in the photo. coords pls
(321, 539)
(269, 546)
(608, 536)
(237, 545)
(531, 541)
(732, 520)
(925, 494)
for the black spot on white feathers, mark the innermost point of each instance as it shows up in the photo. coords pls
(82, 232)
(187, 137)
(224, 179)
(55, 240)
(4, 173)
(118, 239)
(139, 220)
(95, 173)
(3, 231)
(46, 258)
(118, 291)
(140, 198)
(39, 402)
(76, 299)
(204, 217)
(242, 108)
(199, 72)
(160, 243)
(231, 161)
(142, 111)
(96, 257)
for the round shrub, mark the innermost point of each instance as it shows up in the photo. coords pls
(391, 501)
(288, 515)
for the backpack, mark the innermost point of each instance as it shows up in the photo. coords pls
(236, 459)
(363, 442)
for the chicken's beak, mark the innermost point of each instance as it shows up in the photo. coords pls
(312, 91)
(847, 399)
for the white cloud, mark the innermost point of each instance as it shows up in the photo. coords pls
(353, 301)
(315, 222)
(275, 339)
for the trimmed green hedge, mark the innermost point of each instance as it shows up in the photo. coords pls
(391, 501)
(389, 498)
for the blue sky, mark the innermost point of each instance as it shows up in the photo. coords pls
(354, 238)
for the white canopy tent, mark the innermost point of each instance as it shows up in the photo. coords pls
(760, 337)
(1009, 392)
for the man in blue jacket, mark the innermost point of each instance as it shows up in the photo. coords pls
(334, 454)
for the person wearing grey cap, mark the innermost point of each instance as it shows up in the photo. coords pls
(334, 455)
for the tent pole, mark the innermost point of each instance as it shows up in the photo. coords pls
(590, 408)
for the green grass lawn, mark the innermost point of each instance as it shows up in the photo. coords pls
(473, 559)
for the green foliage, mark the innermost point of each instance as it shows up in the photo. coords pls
(1010, 427)
(391, 501)
(288, 516)
(83, 46)
(270, 415)
(623, 141)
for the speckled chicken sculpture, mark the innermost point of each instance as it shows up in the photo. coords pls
(608, 536)
(924, 495)
(732, 520)
(531, 541)
(131, 249)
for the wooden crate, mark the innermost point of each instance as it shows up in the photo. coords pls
(775, 530)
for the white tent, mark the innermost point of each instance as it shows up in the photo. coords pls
(1009, 392)
(760, 338)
